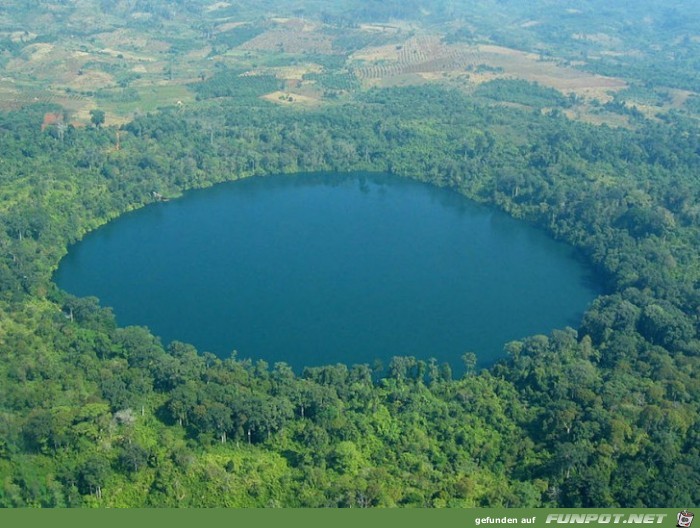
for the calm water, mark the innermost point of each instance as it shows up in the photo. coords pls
(319, 269)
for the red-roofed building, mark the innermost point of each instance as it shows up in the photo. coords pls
(51, 118)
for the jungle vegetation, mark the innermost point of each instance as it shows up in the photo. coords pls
(605, 414)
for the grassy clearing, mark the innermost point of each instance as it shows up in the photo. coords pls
(126, 40)
(291, 40)
(594, 116)
(150, 99)
(291, 99)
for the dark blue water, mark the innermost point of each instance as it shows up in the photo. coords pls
(320, 269)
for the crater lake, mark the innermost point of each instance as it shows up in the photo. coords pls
(317, 269)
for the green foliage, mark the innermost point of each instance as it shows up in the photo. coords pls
(521, 92)
(237, 36)
(334, 81)
(236, 84)
(693, 104)
(96, 415)
(643, 95)
(125, 95)
(461, 34)
(657, 71)
(330, 63)
(97, 117)
(604, 415)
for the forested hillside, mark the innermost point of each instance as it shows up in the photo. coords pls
(581, 120)
(605, 414)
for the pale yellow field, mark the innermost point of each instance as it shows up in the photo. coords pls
(122, 39)
(39, 51)
(91, 80)
(428, 58)
(679, 97)
(283, 98)
(290, 73)
(126, 55)
(291, 40)
(222, 28)
(380, 28)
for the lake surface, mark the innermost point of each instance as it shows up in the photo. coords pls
(319, 269)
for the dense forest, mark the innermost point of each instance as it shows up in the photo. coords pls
(606, 414)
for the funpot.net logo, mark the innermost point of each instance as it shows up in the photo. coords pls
(606, 518)
(684, 519)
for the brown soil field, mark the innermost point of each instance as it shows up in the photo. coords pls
(198, 55)
(128, 55)
(286, 40)
(222, 28)
(380, 28)
(297, 24)
(39, 51)
(414, 50)
(679, 97)
(125, 39)
(429, 58)
(91, 80)
(47, 63)
(14, 97)
(289, 73)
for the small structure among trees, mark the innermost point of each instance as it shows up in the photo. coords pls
(50, 119)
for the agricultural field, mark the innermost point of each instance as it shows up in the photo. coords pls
(126, 61)
(577, 118)
(292, 36)
(431, 59)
